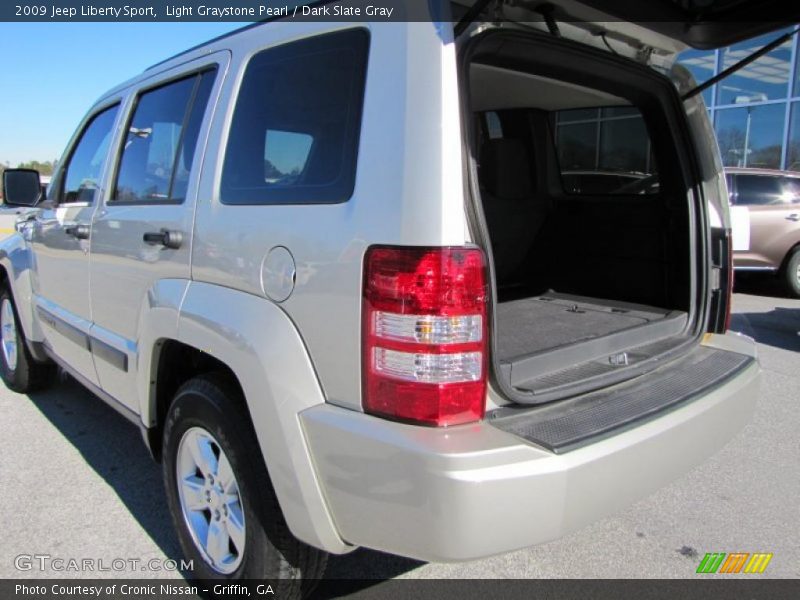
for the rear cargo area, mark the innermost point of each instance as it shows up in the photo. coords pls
(537, 323)
(588, 217)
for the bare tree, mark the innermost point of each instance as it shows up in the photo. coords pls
(731, 146)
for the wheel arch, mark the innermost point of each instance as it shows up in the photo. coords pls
(791, 281)
(172, 364)
(788, 256)
(256, 344)
(16, 262)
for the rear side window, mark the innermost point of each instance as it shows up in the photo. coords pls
(295, 128)
(762, 190)
(161, 140)
(82, 174)
(604, 151)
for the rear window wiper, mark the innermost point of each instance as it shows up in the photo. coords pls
(742, 63)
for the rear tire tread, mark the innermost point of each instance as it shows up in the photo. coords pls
(790, 273)
(29, 375)
(298, 564)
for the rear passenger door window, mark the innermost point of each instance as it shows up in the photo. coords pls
(144, 235)
(294, 134)
(160, 142)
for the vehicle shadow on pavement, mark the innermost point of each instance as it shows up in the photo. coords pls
(113, 447)
(364, 564)
(361, 569)
(779, 327)
(759, 285)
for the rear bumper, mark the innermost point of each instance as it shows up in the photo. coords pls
(473, 491)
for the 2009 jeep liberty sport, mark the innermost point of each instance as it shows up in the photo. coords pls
(333, 273)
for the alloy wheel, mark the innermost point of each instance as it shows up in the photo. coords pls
(8, 331)
(210, 500)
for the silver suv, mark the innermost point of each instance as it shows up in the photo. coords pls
(333, 273)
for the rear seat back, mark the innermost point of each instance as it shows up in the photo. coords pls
(512, 214)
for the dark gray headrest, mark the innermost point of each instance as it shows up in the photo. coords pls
(505, 169)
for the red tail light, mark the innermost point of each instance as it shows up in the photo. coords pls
(424, 334)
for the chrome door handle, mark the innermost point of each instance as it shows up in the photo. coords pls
(793, 217)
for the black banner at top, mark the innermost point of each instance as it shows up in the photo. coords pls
(673, 11)
(217, 10)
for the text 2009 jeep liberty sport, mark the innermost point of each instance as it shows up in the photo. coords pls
(332, 272)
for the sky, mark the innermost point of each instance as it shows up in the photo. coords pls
(52, 73)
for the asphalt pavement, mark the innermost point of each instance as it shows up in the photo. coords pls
(77, 482)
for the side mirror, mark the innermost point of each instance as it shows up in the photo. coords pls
(21, 187)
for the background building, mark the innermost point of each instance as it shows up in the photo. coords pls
(756, 111)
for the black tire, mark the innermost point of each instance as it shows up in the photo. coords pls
(271, 552)
(791, 273)
(26, 375)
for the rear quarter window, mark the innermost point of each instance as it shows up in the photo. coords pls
(295, 128)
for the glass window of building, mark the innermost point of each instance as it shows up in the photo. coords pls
(749, 108)
(751, 136)
(624, 145)
(576, 115)
(793, 149)
(600, 150)
(796, 84)
(767, 78)
(577, 137)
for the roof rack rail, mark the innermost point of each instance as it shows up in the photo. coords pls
(206, 43)
(235, 31)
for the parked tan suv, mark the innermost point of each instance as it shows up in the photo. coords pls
(765, 209)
